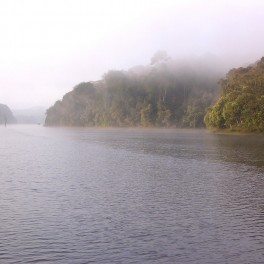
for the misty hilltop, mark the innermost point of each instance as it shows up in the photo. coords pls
(6, 116)
(165, 93)
(65, 45)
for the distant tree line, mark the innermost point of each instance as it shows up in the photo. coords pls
(241, 104)
(166, 93)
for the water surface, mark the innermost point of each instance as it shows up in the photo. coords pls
(75, 195)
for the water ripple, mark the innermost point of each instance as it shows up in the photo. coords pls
(130, 196)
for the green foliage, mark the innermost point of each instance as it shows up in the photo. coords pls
(165, 93)
(241, 106)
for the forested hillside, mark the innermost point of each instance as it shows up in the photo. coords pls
(6, 116)
(241, 105)
(166, 93)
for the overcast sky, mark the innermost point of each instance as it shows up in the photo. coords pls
(49, 46)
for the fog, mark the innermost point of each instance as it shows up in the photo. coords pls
(49, 46)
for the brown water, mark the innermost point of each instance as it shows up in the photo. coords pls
(130, 196)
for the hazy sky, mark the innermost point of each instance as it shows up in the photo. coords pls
(49, 46)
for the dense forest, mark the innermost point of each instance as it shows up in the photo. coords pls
(165, 93)
(6, 116)
(241, 105)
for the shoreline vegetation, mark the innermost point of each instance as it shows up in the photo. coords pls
(168, 94)
(240, 107)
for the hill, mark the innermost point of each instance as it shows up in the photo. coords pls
(166, 93)
(6, 116)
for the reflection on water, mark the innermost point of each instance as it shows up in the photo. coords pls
(130, 196)
(241, 149)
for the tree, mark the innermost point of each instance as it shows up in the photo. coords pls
(166, 93)
(240, 107)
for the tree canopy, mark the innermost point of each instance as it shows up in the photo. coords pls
(241, 105)
(166, 93)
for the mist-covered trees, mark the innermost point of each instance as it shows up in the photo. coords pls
(70, 109)
(6, 116)
(241, 106)
(166, 93)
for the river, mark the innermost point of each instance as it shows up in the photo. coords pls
(87, 195)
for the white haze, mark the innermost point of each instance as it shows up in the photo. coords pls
(49, 46)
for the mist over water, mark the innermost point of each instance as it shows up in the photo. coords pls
(79, 195)
(130, 196)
